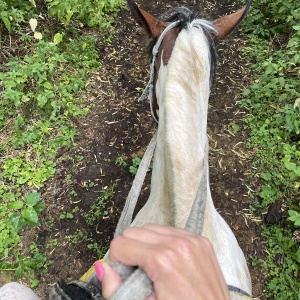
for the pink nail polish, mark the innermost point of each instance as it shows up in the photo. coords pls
(99, 270)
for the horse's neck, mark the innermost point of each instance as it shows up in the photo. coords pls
(182, 92)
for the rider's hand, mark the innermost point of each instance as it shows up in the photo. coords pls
(180, 264)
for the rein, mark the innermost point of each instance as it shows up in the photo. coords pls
(136, 284)
(149, 87)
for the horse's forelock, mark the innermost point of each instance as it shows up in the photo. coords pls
(190, 18)
(182, 14)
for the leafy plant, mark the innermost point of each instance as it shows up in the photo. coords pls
(12, 13)
(100, 208)
(121, 162)
(273, 119)
(234, 127)
(66, 215)
(79, 236)
(99, 249)
(135, 164)
(15, 216)
(91, 12)
(39, 90)
(28, 211)
(294, 217)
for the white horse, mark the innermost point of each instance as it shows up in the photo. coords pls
(182, 80)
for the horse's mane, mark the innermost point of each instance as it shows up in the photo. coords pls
(188, 17)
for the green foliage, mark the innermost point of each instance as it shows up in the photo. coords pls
(28, 211)
(39, 91)
(294, 217)
(94, 245)
(90, 12)
(272, 102)
(135, 165)
(16, 215)
(121, 162)
(281, 264)
(234, 128)
(12, 13)
(36, 261)
(100, 209)
(66, 215)
(268, 18)
(80, 236)
(30, 84)
(35, 111)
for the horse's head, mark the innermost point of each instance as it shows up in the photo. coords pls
(154, 28)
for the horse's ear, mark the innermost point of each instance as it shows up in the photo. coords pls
(225, 25)
(151, 25)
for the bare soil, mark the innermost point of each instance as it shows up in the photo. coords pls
(119, 126)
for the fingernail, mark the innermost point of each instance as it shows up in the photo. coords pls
(99, 270)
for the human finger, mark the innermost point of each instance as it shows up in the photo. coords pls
(166, 230)
(111, 281)
(211, 259)
(154, 234)
(129, 251)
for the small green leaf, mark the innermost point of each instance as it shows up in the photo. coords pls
(294, 217)
(269, 69)
(246, 92)
(265, 176)
(32, 199)
(68, 17)
(30, 215)
(15, 205)
(17, 221)
(136, 161)
(48, 85)
(39, 207)
(66, 215)
(69, 216)
(281, 81)
(6, 23)
(42, 100)
(235, 127)
(34, 283)
(296, 255)
(290, 165)
(58, 38)
(84, 45)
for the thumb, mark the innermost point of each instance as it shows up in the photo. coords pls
(111, 281)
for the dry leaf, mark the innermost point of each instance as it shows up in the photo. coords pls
(33, 24)
(38, 35)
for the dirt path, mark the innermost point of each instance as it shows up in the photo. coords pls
(119, 127)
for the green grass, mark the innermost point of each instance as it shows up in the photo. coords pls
(273, 117)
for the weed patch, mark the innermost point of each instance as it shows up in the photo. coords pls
(272, 102)
(100, 208)
(40, 95)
